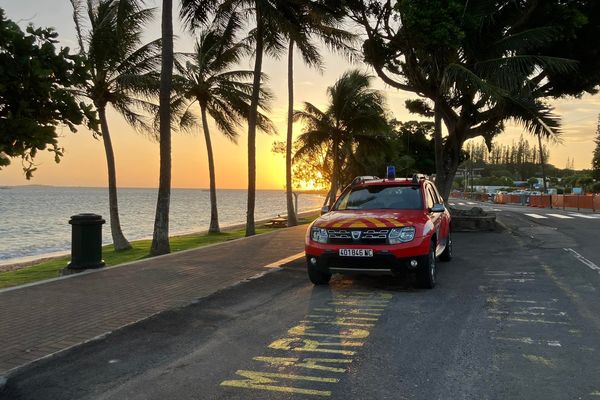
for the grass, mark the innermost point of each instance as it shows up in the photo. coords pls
(51, 269)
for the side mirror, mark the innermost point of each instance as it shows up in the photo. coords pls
(438, 208)
(324, 210)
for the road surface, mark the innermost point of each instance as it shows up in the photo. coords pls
(516, 315)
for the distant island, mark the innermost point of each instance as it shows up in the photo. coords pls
(26, 186)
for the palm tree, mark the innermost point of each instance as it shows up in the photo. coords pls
(316, 21)
(271, 18)
(160, 237)
(122, 71)
(221, 92)
(355, 115)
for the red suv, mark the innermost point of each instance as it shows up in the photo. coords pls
(381, 226)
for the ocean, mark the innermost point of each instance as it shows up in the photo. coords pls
(34, 221)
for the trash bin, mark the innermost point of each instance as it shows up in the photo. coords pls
(86, 242)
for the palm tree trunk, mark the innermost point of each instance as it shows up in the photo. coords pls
(250, 228)
(542, 161)
(214, 215)
(446, 162)
(160, 238)
(119, 240)
(334, 175)
(291, 212)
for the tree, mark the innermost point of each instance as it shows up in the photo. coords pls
(596, 159)
(309, 170)
(271, 18)
(36, 93)
(207, 78)
(355, 116)
(479, 64)
(160, 237)
(122, 75)
(316, 21)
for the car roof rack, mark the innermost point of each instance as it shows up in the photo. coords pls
(362, 179)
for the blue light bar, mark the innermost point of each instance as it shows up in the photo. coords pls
(391, 172)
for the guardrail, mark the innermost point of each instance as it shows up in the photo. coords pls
(585, 202)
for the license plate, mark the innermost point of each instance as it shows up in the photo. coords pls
(356, 253)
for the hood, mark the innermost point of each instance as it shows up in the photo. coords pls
(371, 219)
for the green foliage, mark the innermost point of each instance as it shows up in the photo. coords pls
(312, 170)
(596, 187)
(36, 93)
(432, 26)
(208, 77)
(532, 182)
(483, 63)
(581, 180)
(349, 131)
(519, 160)
(124, 72)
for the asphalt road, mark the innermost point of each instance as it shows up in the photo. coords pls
(516, 315)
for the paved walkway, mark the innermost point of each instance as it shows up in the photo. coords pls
(39, 320)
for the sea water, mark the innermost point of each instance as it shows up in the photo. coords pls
(34, 221)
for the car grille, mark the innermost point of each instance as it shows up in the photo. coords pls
(367, 236)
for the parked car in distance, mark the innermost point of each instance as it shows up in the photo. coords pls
(381, 226)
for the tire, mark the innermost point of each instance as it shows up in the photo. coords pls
(317, 277)
(427, 274)
(447, 253)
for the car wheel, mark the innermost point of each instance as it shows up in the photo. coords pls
(317, 277)
(447, 253)
(428, 272)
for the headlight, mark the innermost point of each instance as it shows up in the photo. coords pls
(319, 235)
(401, 235)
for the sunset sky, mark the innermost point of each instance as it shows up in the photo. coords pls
(137, 157)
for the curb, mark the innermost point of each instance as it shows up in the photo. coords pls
(4, 379)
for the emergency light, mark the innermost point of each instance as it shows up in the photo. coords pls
(391, 172)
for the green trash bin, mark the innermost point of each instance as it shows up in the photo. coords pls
(86, 242)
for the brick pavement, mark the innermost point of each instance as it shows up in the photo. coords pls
(40, 320)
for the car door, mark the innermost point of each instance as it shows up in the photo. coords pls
(436, 218)
(445, 218)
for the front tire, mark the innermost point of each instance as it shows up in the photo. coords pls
(317, 277)
(447, 253)
(427, 274)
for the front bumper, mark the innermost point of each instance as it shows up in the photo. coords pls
(395, 259)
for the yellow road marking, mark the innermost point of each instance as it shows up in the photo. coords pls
(344, 319)
(359, 303)
(359, 311)
(284, 261)
(310, 363)
(309, 345)
(264, 381)
(303, 330)
(337, 323)
(596, 393)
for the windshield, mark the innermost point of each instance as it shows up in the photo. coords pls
(381, 197)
